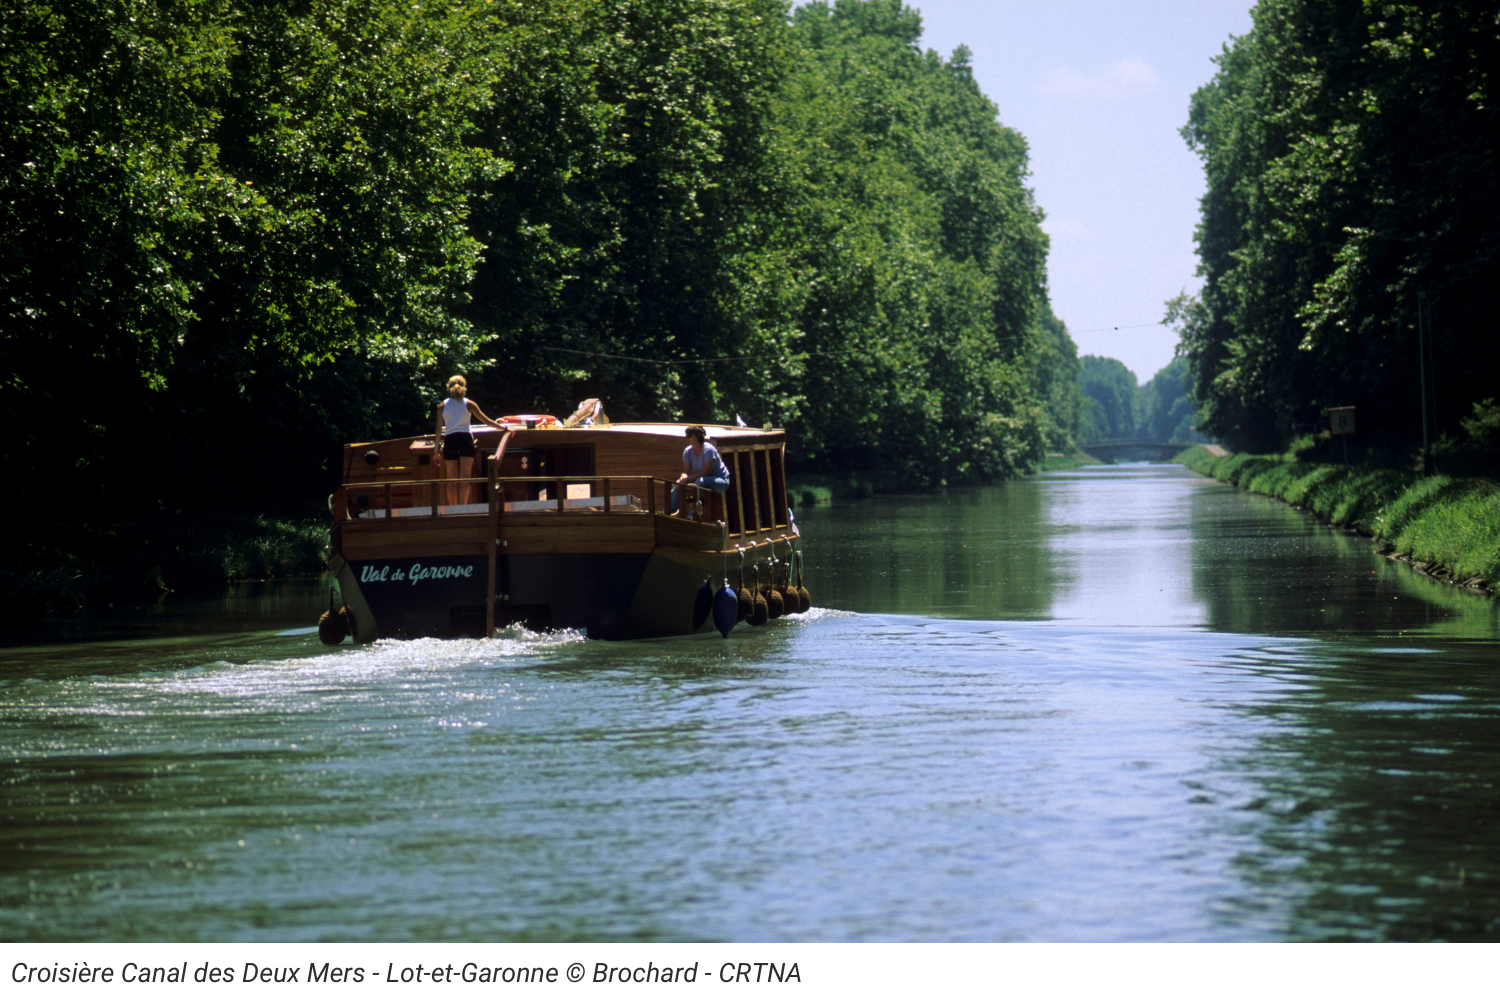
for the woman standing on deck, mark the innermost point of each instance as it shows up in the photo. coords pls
(456, 454)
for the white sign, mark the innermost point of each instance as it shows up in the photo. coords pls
(1341, 420)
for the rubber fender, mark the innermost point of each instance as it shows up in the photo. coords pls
(332, 628)
(726, 609)
(703, 605)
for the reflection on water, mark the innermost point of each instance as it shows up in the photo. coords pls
(1124, 703)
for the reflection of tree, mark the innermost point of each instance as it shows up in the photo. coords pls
(1264, 568)
(1376, 813)
(966, 553)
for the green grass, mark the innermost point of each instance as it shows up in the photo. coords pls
(70, 566)
(1448, 525)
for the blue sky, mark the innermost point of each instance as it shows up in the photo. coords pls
(1099, 90)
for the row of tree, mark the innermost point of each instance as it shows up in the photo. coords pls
(1350, 148)
(238, 236)
(1116, 407)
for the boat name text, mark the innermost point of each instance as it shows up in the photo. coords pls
(416, 573)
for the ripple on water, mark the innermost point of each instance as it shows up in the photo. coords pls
(1249, 759)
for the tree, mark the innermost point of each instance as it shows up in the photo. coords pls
(1165, 410)
(213, 209)
(1349, 150)
(1111, 392)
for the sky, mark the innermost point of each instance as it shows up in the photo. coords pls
(1100, 89)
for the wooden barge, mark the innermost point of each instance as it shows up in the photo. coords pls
(557, 528)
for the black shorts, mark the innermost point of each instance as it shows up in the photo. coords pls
(460, 445)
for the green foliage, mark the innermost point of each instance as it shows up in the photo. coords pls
(823, 201)
(640, 134)
(1349, 148)
(1111, 392)
(922, 258)
(215, 217)
(1166, 411)
(237, 237)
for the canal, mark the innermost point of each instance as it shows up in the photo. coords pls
(1119, 703)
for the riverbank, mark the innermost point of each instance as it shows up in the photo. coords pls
(61, 567)
(1445, 526)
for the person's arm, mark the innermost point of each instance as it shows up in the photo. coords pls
(437, 435)
(474, 409)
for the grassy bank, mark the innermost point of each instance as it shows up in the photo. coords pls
(68, 566)
(1447, 526)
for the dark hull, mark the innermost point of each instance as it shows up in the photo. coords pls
(625, 595)
(586, 591)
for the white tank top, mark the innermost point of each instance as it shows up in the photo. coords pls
(455, 416)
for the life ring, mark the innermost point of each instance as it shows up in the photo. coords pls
(536, 419)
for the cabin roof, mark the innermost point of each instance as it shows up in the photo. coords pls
(720, 432)
(726, 434)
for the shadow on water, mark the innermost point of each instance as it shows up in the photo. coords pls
(1376, 816)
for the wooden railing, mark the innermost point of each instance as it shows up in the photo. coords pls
(607, 495)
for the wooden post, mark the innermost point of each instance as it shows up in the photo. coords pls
(432, 490)
(562, 495)
(497, 504)
(650, 495)
(737, 487)
(388, 514)
(755, 489)
(606, 495)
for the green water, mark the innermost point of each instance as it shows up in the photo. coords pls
(1125, 703)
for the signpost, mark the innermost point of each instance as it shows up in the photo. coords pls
(1341, 424)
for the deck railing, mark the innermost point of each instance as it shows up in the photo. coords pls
(607, 495)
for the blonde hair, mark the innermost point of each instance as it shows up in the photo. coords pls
(457, 387)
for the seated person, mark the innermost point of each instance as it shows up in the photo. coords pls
(701, 465)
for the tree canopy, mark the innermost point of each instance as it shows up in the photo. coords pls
(239, 236)
(1110, 390)
(1165, 410)
(1350, 148)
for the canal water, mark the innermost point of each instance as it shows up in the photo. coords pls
(1118, 703)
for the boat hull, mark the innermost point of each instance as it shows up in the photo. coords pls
(393, 593)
